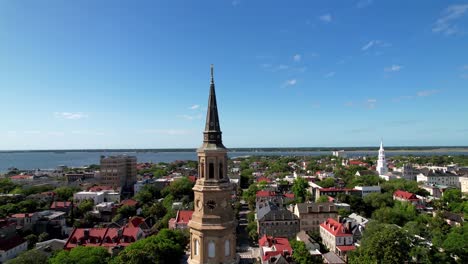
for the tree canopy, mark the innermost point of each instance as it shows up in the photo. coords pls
(81, 255)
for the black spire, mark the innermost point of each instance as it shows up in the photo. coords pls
(212, 132)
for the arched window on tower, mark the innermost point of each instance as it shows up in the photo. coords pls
(227, 248)
(202, 170)
(220, 170)
(211, 249)
(211, 171)
(196, 247)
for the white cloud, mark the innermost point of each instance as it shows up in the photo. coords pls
(363, 3)
(170, 132)
(297, 57)
(327, 18)
(375, 43)
(330, 74)
(56, 133)
(370, 103)
(35, 132)
(190, 117)
(69, 115)
(194, 107)
(393, 68)
(291, 82)
(426, 93)
(446, 23)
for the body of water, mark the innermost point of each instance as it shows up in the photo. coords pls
(50, 160)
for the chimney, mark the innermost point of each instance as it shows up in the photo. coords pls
(86, 233)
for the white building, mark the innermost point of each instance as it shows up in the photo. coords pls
(439, 178)
(464, 184)
(11, 248)
(340, 153)
(97, 197)
(366, 190)
(381, 162)
(337, 237)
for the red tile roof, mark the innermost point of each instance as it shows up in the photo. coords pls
(345, 248)
(335, 228)
(357, 162)
(192, 178)
(281, 245)
(22, 215)
(99, 188)
(21, 177)
(263, 179)
(265, 194)
(58, 204)
(405, 195)
(289, 195)
(183, 216)
(129, 202)
(106, 237)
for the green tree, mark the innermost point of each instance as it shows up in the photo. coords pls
(322, 199)
(300, 253)
(127, 211)
(65, 193)
(382, 242)
(81, 255)
(299, 189)
(43, 237)
(32, 240)
(166, 247)
(326, 183)
(85, 206)
(30, 257)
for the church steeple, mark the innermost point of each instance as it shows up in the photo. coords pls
(212, 133)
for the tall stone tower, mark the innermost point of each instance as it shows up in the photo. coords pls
(381, 162)
(213, 225)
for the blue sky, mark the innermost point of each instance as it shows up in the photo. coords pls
(135, 74)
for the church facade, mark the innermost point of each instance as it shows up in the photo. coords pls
(213, 224)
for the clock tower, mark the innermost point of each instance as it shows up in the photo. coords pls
(213, 225)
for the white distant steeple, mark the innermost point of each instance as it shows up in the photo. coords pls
(381, 162)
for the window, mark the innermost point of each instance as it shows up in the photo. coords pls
(220, 170)
(227, 248)
(211, 171)
(202, 170)
(211, 249)
(196, 247)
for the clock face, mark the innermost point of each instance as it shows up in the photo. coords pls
(211, 204)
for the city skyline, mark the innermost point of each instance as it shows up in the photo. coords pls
(105, 76)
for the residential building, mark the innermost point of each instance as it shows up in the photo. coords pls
(63, 206)
(181, 220)
(10, 248)
(435, 190)
(274, 250)
(404, 196)
(276, 221)
(118, 171)
(24, 221)
(311, 215)
(439, 177)
(108, 237)
(11, 245)
(366, 190)
(53, 223)
(339, 154)
(464, 184)
(97, 197)
(333, 192)
(337, 237)
(453, 219)
(80, 176)
(276, 197)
